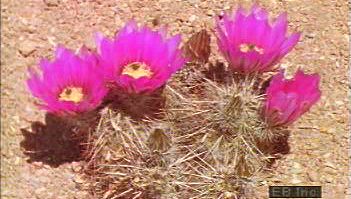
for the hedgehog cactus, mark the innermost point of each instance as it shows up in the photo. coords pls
(208, 137)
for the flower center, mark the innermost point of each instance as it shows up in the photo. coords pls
(251, 47)
(137, 70)
(72, 94)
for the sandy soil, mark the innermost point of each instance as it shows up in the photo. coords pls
(37, 163)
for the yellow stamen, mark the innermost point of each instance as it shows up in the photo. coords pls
(250, 47)
(72, 94)
(137, 70)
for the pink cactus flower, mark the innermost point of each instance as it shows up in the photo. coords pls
(287, 100)
(139, 60)
(69, 85)
(250, 43)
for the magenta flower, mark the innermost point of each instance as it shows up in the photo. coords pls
(250, 43)
(139, 59)
(287, 100)
(69, 85)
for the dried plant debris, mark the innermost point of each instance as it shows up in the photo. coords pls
(203, 147)
(198, 48)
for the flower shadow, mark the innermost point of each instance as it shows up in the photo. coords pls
(54, 142)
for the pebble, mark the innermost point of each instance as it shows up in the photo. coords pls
(328, 179)
(82, 195)
(38, 164)
(46, 166)
(329, 170)
(27, 47)
(330, 165)
(51, 3)
(313, 176)
(78, 179)
(210, 13)
(228, 195)
(311, 35)
(42, 193)
(76, 167)
(192, 18)
(296, 168)
(17, 161)
(277, 180)
(326, 155)
(295, 181)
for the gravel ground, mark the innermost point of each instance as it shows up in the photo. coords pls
(319, 143)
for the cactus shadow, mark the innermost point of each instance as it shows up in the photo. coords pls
(53, 142)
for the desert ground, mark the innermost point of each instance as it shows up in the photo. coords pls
(35, 165)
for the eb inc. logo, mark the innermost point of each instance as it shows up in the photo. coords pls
(295, 192)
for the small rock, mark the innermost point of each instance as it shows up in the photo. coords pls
(330, 165)
(326, 155)
(277, 180)
(295, 180)
(263, 182)
(313, 176)
(304, 19)
(329, 170)
(52, 41)
(339, 103)
(17, 161)
(82, 195)
(192, 18)
(328, 179)
(311, 35)
(210, 13)
(324, 130)
(51, 3)
(296, 168)
(27, 47)
(78, 179)
(40, 191)
(46, 166)
(38, 164)
(76, 167)
(108, 156)
(228, 195)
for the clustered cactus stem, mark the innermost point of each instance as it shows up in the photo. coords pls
(204, 134)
